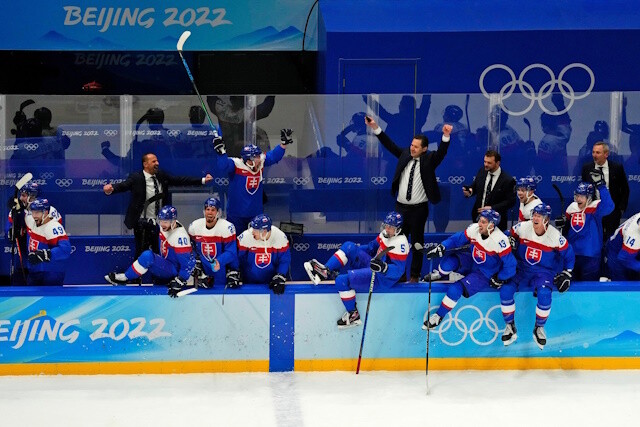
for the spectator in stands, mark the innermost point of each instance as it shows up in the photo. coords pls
(502, 138)
(144, 185)
(552, 150)
(408, 121)
(414, 184)
(493, 188)
(616, 181)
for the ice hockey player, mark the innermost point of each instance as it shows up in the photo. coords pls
(215, 244)
(537, 245)
(175, 262)
(584, 231)
(48, 246)
(489, 262)
(264, 254)
(623, 251)
(526, 189)
(351, 266)
(245, 177)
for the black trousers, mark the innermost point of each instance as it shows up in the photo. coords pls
(610, 223)
(146, 236)
(414, 218)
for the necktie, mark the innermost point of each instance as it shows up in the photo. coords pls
(156, 190)
(410, 186)
(488, 191)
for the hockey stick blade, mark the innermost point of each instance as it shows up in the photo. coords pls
(418, 247)
(22, 181)
(186, 291)
(384, 252)
(183, 38)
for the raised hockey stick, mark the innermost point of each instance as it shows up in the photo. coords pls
(366, 315)
(426, 369)
(183, 38)
(21, 183)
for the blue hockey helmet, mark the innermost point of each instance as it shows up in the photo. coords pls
(452, 113)
(393, 219)
(213, 202)
(31, 188)
(527, 182)
(491, 216)
(261, 222)
(602, 128)
(168, 213)
(542, 209)
(585, 189)
(40, 204)
(250, 151)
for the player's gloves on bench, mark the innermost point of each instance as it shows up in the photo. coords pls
(496, 283)
(378, 266)
(285, 136)
(175, 286)
(233, 279)
(41, 255)
(436, 252)
(560, 222)
(277, 284)
(562, 280)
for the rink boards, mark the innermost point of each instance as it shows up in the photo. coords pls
(107, 330)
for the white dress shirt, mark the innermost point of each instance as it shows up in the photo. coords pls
(496, 175)
(151, 209)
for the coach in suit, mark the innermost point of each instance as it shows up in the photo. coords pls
(494, 189)
(414, 184)
(616, 179)
(144, 185)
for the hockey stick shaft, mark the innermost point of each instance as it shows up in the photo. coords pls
(555, 187)
(423, 250)
(466, 111)
(366, 315)
(181, 41)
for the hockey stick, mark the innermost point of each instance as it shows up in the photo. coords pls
(466, 111)
(426, 369)
(555, 187)
(423, 250)
(183, 38)
(21, 183)
(528, 123)
(366, 315)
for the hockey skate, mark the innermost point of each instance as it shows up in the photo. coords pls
(433, 321)
(434, 276)
(539, 336)
(510, 334)
(116, 278)
(349, 319)
(317, 271)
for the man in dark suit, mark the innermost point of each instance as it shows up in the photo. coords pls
(144, 185)
(616, 180)
(493, 187)
(414, 184)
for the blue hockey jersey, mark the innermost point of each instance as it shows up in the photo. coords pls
(550, 252)
(585, 226)
(261, 260)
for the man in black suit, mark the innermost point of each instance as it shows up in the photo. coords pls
(414, 184)
(493, 187)
(616, 179)
(144, 185)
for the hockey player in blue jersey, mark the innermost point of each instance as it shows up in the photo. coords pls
(541, 251)
(264, 254)
(351, 266)
(175, 262)
(623, 251)
(215, 242)
(245, 177)
(48, 246)
(489, 262)
(526, 192)
(584, 231)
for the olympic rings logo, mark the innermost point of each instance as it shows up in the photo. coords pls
(378, 180)
(465, 330)
(221, 181)
(301, 180)
(545, 91)
(537, 178)
(300, 247)
(173, 132)
(456, 179)
(64, 182)
(110, 132)
(30, 147)
(46, 175)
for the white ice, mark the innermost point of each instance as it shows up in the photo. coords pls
(333, 399)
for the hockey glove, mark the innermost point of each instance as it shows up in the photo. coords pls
(496, 283)
(597, 177)
(285, 136)
(437, 252)
(41, 255)
(175, 286)
(514, 242)
(277, 284)
(563, 280)
(218, 143)
(10, 234)
(233, 279)
(198, 272)
(378, 266)
(104, 145)
(561, 222)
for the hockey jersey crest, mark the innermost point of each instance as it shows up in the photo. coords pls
(211, 242)
(261, 260)
(541, 251)
(252, 179)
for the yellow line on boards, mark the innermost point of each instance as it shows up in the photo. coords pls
(502, 363)
(112, 368)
